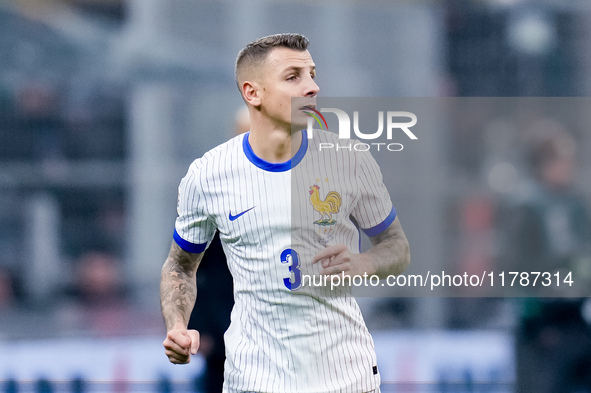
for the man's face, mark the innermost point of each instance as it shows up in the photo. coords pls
(287, 73)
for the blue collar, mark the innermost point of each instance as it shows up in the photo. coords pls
(276, 167)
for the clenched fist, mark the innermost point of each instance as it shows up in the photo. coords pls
(180, 344)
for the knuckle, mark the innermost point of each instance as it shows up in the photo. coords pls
(178, 359)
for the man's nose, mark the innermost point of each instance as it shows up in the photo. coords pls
(312, 89)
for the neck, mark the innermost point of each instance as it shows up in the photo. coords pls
(274, 145)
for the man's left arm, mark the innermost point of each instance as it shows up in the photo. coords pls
(389, 255)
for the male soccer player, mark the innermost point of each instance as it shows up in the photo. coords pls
(283, 209)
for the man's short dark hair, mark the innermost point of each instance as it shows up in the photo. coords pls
(256, 52)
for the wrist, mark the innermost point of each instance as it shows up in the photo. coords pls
(178, 325)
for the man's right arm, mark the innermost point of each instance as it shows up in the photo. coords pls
(178, 291)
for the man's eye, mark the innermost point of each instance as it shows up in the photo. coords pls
(290, 78)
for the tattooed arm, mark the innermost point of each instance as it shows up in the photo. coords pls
(178, 291)
(389, 255)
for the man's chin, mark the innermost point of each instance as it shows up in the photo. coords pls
(300, 122)
(295, 127)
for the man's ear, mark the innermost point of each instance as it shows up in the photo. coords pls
(250, 92)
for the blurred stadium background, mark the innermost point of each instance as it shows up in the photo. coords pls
(104, 103)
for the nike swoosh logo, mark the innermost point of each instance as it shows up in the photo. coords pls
(232, 218)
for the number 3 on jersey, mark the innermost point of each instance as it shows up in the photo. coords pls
(291, 258)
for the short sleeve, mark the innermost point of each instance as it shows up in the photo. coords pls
(193, 228)
(373, 211)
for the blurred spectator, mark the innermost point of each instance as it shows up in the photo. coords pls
(37, 105)
(100, 302)
(548, 223)
(547, 228)
(99, 282)
(7, 290)
(93, 219)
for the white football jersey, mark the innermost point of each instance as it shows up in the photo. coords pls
(273, 218)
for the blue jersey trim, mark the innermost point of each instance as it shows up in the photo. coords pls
(381, 227)
(188, 246)
(271, 166)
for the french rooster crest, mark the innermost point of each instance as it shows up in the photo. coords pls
(327, 207)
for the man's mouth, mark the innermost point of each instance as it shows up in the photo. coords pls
(308, 108)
